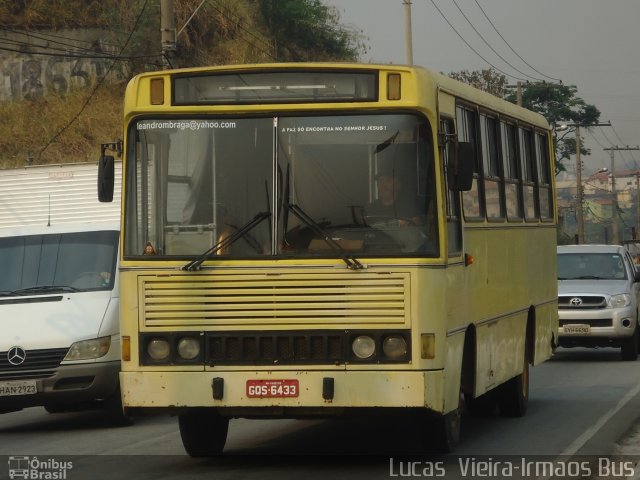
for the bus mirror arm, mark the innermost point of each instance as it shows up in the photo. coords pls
(461, 176)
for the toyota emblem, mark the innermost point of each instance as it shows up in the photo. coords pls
(576, 301)
(16, 356)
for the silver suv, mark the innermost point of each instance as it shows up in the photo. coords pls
(598, 289)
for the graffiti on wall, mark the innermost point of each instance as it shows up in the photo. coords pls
(32, 76)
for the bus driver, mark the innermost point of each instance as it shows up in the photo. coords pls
(391, 205)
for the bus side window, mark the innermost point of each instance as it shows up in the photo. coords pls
(454, 227)
(512, 186)
(472, 202)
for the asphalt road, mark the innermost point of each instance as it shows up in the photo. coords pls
(582, 403)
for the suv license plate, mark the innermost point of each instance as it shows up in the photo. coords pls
(272, 388)
(24, 387)
(577, 329)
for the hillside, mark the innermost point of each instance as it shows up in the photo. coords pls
(70, 128)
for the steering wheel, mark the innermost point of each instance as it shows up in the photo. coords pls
(382, 221)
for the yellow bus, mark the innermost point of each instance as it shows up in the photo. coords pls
(316, 239)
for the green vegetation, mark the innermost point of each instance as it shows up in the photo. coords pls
(220, 32)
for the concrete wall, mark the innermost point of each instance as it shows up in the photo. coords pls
(75, 60)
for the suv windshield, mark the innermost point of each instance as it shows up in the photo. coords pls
(327, 186)
(584, 266)
(54, 263)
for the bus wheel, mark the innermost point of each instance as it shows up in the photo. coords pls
(117, 416)
(446, 431)
(482, 406)
(513, 396)
(203, 432)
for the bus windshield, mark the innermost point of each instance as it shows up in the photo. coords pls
(324, 185)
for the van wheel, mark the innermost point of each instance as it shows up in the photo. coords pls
(117, 416)
(513, 396)
(203, 432)
(629, 350)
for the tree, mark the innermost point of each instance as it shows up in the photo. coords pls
(487, 80)
(559, 104)
(305, 30)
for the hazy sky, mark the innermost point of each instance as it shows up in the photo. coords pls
(592, 44)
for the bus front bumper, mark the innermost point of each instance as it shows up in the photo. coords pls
(283, 389)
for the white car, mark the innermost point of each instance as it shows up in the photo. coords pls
(598, 287)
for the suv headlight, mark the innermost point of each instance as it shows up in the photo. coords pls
(620, 300)
(89, 349)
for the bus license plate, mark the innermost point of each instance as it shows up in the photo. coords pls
(24, 387)
(577, 329)
(272, 388)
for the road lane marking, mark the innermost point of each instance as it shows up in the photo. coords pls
(579, 442)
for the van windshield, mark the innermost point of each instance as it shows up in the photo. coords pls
(46, 263)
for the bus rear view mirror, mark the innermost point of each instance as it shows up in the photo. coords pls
(106, 176)
(461, 178)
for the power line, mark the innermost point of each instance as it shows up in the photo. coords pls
(98, 85)
(511, 48)
(469, 45)
(489, 45)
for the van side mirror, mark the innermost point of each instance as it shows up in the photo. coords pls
(461, 178)
(106, 178)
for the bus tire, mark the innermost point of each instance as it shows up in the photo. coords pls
(513, 396)
(203, 432)
(629, 350)
(447, 431)
(482, 406)
(117, 416)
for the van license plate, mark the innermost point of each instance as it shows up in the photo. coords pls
(577, 329)
(23, 387)
(272, 388)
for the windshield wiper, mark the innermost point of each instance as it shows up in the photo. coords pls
(351, 261)
(43, 289)
(226, 241)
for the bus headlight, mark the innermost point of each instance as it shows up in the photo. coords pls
(158, 349)
(363, 346)
(188, 348)
(394, 346)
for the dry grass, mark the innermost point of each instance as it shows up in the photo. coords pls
(45, 129)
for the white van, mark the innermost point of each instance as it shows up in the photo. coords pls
(59, 301)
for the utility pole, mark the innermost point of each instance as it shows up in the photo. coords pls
(167, 31)
(615, 225)
(408, 37)
(579, 190)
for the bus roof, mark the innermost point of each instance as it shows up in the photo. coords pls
(437, 80)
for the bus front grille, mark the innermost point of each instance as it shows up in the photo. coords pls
(276, 348)
(232, 299)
